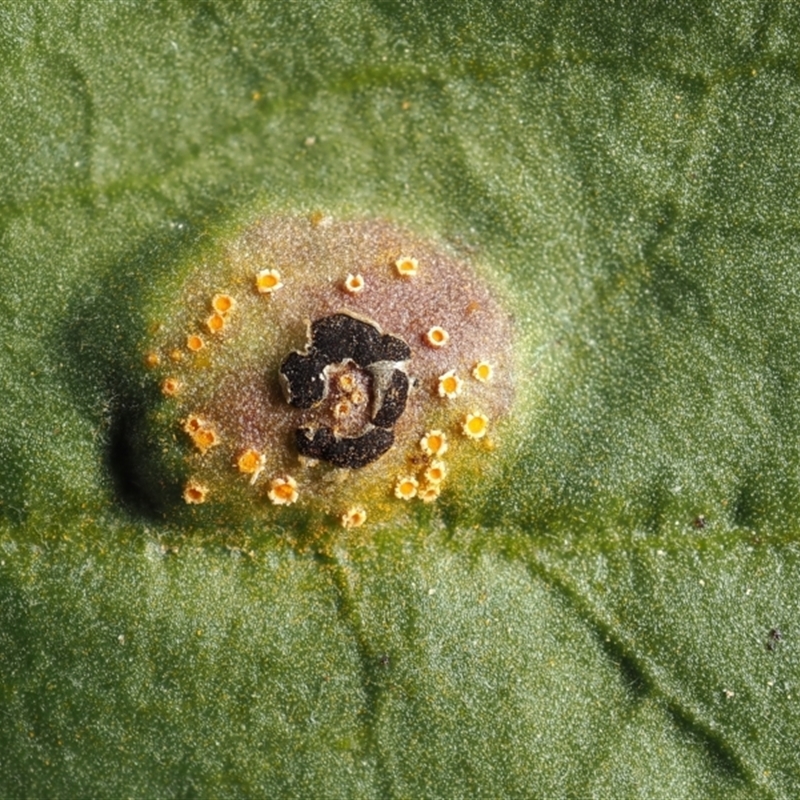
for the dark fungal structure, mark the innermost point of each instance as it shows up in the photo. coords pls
(351, 452)
(361, 372)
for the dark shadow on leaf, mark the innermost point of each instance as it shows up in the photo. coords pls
(102, 343)
(124, 468)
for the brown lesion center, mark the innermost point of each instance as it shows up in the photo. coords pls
(347, 408)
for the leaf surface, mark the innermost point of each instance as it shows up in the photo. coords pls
(614, 613)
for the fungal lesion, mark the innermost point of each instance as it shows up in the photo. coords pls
(194, 343)
(360, 419)
(354, 517)
(170, 387)
(195, 492)
(354, 284)
(215, 323)
(476, 425)
(483, 371)
(407, 266)
(437, 337)
(251, 462)
(223, 303)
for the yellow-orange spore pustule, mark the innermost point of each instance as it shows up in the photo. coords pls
(195, 343)
(235, 379)
(430, 492)
(407, 266)
(436, 337)
(434, 443)
(483, 372)
(222, 304)
(405, 488)
(251, 462)
(170, 387)
(195, 493)
(436, 472)
(354, 284)
(215, 323)
(283, 491)
(354, 517)
(476, 425)
(450, 385)
(268, 281)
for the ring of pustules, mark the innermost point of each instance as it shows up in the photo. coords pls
(283, 490)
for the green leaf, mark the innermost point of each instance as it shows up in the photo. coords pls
(616, 614)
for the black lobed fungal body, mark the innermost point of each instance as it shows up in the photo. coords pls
(393, 400)
(342, 336)
(339, 340)
(303, 380)
(351, 452)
